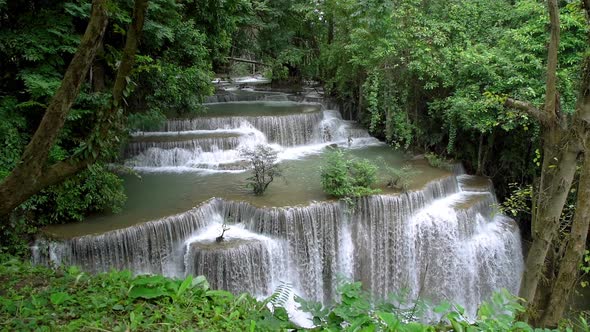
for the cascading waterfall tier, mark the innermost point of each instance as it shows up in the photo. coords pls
(205, 144)
(285, 130)
(214, 142)
(444, 242)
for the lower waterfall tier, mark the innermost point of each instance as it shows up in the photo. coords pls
(444, 242)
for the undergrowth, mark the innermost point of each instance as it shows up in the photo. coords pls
(36, 298)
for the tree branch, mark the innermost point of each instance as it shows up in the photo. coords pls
(28, 173)
(131, 43)
(551, 96)
(528, 108)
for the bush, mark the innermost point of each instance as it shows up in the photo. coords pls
(264, 168)
(344, 177)
(400, 178)
(437, 161)
(95, 189)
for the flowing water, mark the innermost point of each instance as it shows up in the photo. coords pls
(442, 240)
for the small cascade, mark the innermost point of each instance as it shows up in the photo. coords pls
(213, 149)
(151, 247)
(242, 262)
(239, 96)
(285, 130)
(203, 144)
(461, 241)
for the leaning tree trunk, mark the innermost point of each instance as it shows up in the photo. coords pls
(557, 174)
(557, 171)
(27, 177)
(32, 174)
(562, 145)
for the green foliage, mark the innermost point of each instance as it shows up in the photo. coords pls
(437, 161)
(400, 178)
(345, 177)
(356, 311)
(263, 160)
(13, 140)
(433, 75)
(585, 268)
(150, 120)
(171, 77)
(37, 298)
(519, 201)
(95, 189)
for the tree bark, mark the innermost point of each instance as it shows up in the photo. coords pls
(98, 71)
(128, 59)
(32, 174)
(479, 170)
(557, 173)
(568, 268)
(569, 265)
(26, 178)
(561, 145)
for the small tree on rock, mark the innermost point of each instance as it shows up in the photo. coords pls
(264, 168)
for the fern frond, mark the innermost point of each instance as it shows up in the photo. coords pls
(281, 294)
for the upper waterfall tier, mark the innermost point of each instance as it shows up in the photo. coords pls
(213, 140)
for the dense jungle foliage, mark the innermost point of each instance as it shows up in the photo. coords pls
(430, 77)
(42, 299)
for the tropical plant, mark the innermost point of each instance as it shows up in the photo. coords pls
(346, 177)
(263, 160)
(39, 298)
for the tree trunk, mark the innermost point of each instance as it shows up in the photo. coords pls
(480, 156)
(568, 268)
(32, 175)
(26, 178)
(569, 265)
(562, 146)
(128, 59)
(98, 71)
(557, 173)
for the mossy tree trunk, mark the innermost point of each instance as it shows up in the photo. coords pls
(33, 173)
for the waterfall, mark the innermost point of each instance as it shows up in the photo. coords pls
(285, 130)
(206, 144)
(243, 262)
(444, 242)
(214, 142)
